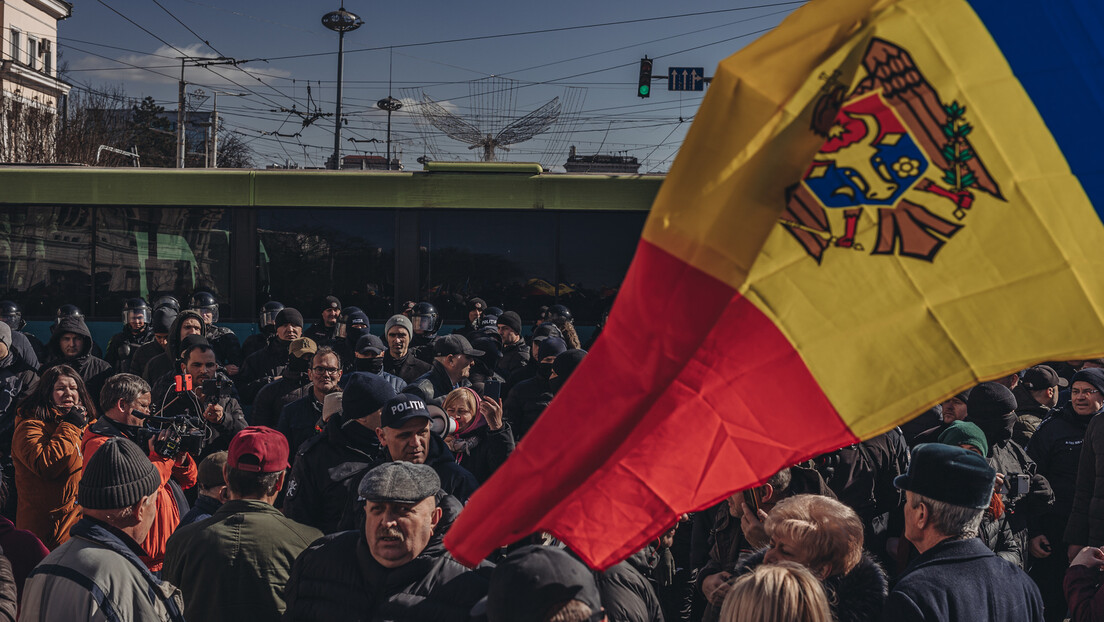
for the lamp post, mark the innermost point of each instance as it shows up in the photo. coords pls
(213, 162)
(390, 104)
(341, 21)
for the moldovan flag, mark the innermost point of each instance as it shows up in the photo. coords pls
(880, 203)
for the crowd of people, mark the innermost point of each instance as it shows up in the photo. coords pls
(311, 473)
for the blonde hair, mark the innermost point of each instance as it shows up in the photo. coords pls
(782, 592)
(464, 394)
(828, 532)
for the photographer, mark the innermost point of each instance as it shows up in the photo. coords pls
(125, 400)
(208, 404)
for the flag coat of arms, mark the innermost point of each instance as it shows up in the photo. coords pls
(879, 204)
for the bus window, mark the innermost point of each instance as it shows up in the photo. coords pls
(45, 253)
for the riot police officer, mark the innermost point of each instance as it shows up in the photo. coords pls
(136, 332)
(267, 322)
(426, 322)
(227, 348)
(25, 344)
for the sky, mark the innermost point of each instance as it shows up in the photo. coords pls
(486, 63)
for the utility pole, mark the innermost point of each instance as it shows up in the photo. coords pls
(341, 21)
(180, 118)
(213, 163)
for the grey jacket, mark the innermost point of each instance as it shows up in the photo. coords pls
(96, 575)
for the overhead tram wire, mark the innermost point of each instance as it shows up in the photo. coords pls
(540, 31)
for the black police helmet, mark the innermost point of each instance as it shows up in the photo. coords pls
(269, 311)
(202, 300)
(167, 301)
(68, 311)
(425, 318)
(12, 314)
(559, 313)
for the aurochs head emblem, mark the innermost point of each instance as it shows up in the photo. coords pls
(891, 146)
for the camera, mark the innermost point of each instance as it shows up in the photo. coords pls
(1016, 484)
(216, 389)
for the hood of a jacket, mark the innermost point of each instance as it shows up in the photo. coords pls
(174, 332)
(70, 324)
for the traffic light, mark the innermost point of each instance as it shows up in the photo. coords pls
(644, 89)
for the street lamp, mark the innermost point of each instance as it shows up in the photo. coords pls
(213, 163)
(341, 21)
(390, 104)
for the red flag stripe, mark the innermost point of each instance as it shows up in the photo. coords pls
(715, 399)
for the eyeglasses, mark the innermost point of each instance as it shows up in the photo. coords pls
(328, 371)
(1085, 392)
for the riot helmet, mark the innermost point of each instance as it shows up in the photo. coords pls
(167, 301)
(559, 314)
(341, 330)
(269, 312)
(12, 315)
(65, 311)
(425, 318)
(137, 311)
(204, 303)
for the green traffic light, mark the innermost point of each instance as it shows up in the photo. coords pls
(644, 90)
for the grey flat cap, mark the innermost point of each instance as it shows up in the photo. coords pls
(399, 482)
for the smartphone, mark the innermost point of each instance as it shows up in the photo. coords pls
(492, 389)
(753, 497)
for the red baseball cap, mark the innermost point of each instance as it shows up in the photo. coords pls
(258, 449)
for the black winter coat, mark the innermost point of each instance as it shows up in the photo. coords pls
(28, 350)
(998, 537)
(485, 450)
(1009, 458)
(166, 362)
(1056, 449)
(17, 381)
(272, 398)
(123, 345)
(261, 368)
(338, 579)
(962, 580)
(434, 385)
(94, 371)
(324, 472)
(1086, 522)
(225, 344)
(857, 596)
(298, 420)
(525, 403)
(409, 367)
(627, 594)
(321, 335)
(514, 357)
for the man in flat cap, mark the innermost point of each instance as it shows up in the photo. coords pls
(537, 583)
(956, 577)
(98, 574)
(394, 566)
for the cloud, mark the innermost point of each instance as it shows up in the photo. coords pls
(163, 67)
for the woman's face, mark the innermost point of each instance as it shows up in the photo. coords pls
(460, 411)
(784, 549)
(65, 393)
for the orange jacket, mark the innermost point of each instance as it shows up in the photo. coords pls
(183, 470)
(48, 467)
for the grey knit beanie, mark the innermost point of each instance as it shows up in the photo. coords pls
(117, 476)
(399, 320)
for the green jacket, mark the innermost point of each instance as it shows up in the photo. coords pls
(233, 566)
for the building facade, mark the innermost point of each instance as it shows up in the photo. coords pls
(30, 91)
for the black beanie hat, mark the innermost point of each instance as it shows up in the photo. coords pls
(287, 315)
(989, 400)
(1092, 375)
(511, 320)
(118, 475)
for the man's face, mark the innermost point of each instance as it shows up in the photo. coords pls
(398, 340)
(410, 443)
(1085, 398)
(459, 365)
(289, 332)
(201, 365)
(912, 531)
(191, 326)
(162, 339)
(325, 374)
(208, 315)
(399, 532)
(508, 334)
(954, 409)
(136, 320)
(329, 317)
(474, 315)
(71, 344)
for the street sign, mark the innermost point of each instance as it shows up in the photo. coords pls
(686, 78)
